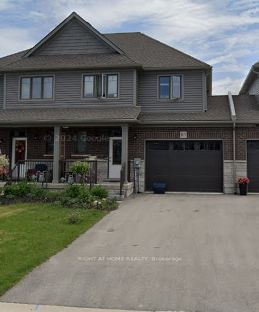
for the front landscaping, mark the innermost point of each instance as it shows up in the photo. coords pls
(35, 224)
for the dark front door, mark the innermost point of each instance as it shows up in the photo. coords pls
(185, 166)
(253, 165)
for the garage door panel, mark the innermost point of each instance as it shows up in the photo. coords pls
(185, 170)
(253, 165)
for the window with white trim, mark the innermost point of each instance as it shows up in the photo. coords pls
(100, 86)
(36, 88)
(170, 87)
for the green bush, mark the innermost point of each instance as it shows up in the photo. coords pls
(99, 192)
(73, 191)
(24, 189)
(80, 167)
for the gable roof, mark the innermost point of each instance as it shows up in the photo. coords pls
(85, 24)
(252, 75)
(153, 54)
(131, 49)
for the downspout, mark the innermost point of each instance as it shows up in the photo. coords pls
(233, 118)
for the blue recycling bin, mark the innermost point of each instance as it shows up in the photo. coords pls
(159, 187)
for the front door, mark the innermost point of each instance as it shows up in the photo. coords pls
(115, 157)
(19, 153)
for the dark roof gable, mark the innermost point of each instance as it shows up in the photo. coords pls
(117, 50)
(73, 36)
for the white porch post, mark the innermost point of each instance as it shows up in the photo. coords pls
(124, 151)
(56, 155)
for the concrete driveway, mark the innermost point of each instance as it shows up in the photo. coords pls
(158, 252)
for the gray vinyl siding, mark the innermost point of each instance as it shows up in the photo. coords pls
(193, 92)
(68, 90)
(254, 88)
(74, 39)
(1, 91)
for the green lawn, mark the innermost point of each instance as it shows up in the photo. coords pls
(31, 233)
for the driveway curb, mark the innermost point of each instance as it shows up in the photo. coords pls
(17, 307)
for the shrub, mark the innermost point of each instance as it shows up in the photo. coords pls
(24, 189)
(80, 167)
(74, 217)
(74, 191)
(99, 192)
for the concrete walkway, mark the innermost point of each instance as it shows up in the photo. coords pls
(167, 252)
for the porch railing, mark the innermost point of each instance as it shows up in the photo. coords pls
(42, 169)
(65, 171)
(32, 170)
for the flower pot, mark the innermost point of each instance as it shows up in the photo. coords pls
(243, 188)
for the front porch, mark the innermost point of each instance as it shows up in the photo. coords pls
(48, 153)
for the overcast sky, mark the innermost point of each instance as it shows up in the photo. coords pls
(223, 33)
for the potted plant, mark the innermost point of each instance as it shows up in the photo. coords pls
(80, 169)
(243, 185)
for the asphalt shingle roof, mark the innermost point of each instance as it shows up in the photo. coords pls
(6, 60)
(69, 115)
(152, 53)
(218, 111)
(247, 108)
(139, 51)
(76, 61)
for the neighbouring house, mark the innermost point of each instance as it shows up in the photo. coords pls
(247, 109)
(124, 100)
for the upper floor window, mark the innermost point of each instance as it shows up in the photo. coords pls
(36, 88)
(170, 87)
(100, 86)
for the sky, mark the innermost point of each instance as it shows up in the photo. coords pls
(222, 33)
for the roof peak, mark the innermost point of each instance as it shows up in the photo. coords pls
(61, 25)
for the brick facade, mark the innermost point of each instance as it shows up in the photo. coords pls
(242, 135)
(138, 135)
(98, 139)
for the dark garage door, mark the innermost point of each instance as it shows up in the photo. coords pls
(185, 166)
(253, 165)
